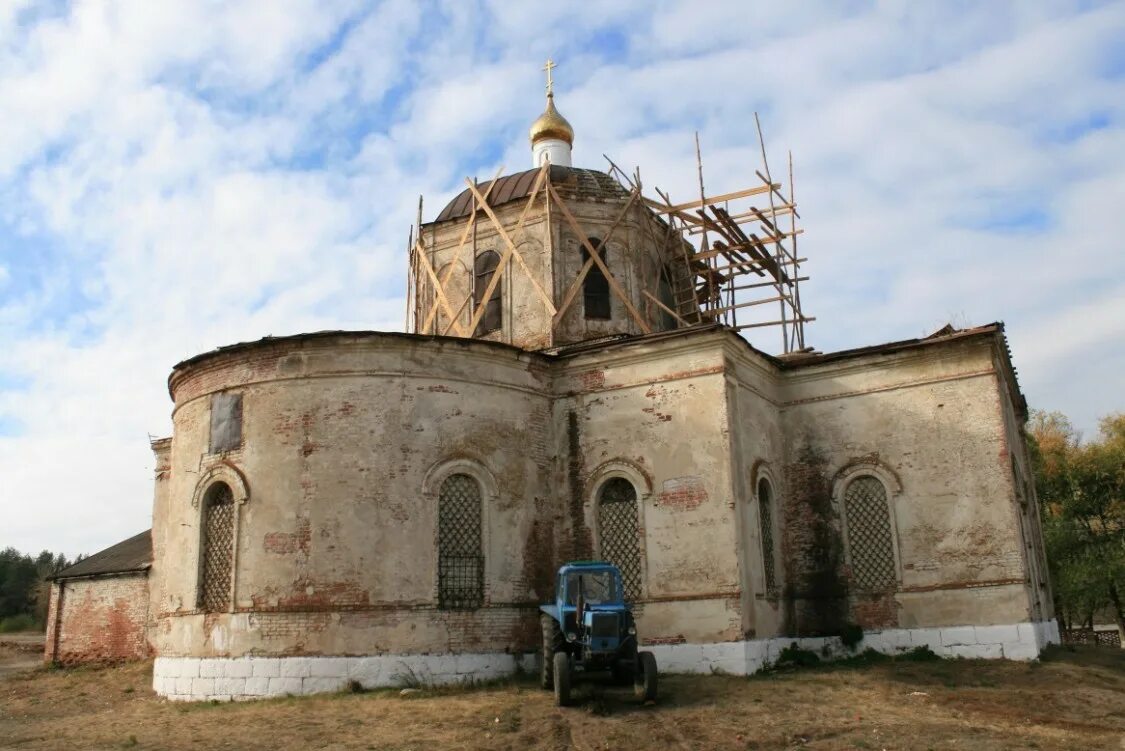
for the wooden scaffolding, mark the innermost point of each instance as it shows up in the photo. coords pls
(723, 259)
(740, 251)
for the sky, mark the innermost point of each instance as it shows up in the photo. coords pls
(180, 175)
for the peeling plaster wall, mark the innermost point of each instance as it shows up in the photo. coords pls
(335, 548)
(655, 413)
(1025, 504)
(930, 421)
(757, 451)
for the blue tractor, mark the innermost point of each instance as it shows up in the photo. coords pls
(589, 628)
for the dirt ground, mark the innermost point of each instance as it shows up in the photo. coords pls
(1071, 700)
(19, 652)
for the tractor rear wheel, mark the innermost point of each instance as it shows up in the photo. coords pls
(562, 679)
(644, 682)
(552, 643)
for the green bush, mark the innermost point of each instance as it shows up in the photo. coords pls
(794, 656)
(851, 635)
(920, 654)
(21, 622)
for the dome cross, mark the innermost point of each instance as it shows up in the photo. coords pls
(550, 81)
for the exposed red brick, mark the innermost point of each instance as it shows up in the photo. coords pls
(102, 620)
(592, 379)
(875, 611)
(683, 493)
(289, 542)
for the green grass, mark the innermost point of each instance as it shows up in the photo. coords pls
(16, 623)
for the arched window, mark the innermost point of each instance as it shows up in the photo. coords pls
(870, 542)
(595, 287)
(765, 518)
(618, 528)
(218, 548)
(483, 269)
(460, 548)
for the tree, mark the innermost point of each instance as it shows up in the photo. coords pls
(24, 589)
(1081, 489)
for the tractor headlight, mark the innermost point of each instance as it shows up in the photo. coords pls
(571, 636)
(632, 631)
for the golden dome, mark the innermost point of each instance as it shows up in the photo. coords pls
(551, 125)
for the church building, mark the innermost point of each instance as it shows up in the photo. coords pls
(380, 507)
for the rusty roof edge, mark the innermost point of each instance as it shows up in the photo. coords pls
(781, 363)
(593, 345)
(887, 347)
(267, 341)
(61, 576)
(1010, 372)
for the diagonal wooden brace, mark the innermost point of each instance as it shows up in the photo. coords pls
(442, 300)
(451, 266)
(509, 251)
(572, 290)
(596, 257)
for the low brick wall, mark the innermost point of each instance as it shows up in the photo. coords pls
(98, 620)
(1101, 638)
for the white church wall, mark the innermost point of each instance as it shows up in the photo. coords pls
(659, 406)
(339, 434)
(928, 423)
(1025, 506)
(758, 451)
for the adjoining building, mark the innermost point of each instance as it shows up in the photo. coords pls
(98, 611)
(368, 506)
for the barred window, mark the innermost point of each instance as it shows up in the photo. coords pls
(869, 534)
(483, 270)
(218, 548)
(595, 287)
(460, 556)
(617, 523)
(765, 517)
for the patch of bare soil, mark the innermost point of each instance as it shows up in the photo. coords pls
(1072, 700)
(20, 652)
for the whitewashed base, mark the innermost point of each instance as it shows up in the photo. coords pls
(1019, 641)
(203, 678)
(226, 678)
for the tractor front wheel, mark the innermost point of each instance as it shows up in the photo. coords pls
(644, 681)
(562, 679)
(552, 643)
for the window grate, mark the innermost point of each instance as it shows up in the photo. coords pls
(765, 501)
(617, 521)
(460, 562)
(869, 534)
(218, 555)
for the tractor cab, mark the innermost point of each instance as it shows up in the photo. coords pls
(589, 628)
(590, 606)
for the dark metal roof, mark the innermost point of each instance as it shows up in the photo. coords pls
(134, 554)
(583, 184)
(942, 335)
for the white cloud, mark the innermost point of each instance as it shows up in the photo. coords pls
(197, 174)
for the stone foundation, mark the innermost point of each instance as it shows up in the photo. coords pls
(227, 678)
(1018, 641)
(203, 678)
